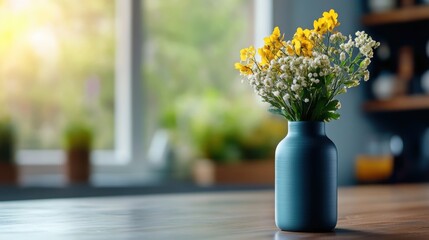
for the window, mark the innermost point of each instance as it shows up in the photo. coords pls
(189, 79)
(68, 59)
(57, 65)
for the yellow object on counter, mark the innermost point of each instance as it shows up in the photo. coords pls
(373, 168)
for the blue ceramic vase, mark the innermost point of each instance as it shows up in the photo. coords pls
(306, 179)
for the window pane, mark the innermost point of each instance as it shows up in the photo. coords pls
(190, 47)
(56, 66)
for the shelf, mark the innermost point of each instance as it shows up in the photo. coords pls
(407, 14)
(408, 103)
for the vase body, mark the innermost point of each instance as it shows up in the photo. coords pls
(306, 179)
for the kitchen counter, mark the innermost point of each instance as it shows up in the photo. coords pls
(365, 212)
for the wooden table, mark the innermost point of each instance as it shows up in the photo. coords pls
(370, 212)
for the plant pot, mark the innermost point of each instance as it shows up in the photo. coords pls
(78, 166)
(306, 179)
(256, 172)
(8, 173)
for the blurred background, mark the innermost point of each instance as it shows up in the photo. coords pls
(143, 95)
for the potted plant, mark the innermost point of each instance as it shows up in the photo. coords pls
(8, 167)
(301, 79)
(226, 149)
(78, 137)
(254, 148)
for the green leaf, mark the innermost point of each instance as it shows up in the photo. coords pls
(275, 110)
(295, 111)
(318, 109)
(332, 105)
(349, 83)
(332, 116)
(342, 90)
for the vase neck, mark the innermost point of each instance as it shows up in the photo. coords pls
(306, 128)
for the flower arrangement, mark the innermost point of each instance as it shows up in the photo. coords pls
(301, 77)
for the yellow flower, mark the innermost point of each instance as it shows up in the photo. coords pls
(320, 26)
(307, 48)
(290, 51)
(244, 69)
(302, 43)
(331, 18)
(297, 45)
(302, 34)
(247, 53)
(266, 55)
(275, 36)
(272, 46)
(267, 40)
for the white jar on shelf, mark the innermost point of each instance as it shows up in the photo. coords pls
(381, 5)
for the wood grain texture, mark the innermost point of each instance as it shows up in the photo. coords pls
(370, 212)
(250, 172)
(402, 15)
(406, 103)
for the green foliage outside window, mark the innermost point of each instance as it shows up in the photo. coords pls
(189, 80)
(57, 62)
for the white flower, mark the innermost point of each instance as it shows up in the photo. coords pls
(365, 44)
(342, 56)
(338, 105)
(286, 97)
(295, 87)
(306, 100)
(365, 63)
(366, 75)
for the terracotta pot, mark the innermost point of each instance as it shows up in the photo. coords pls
(8, 173)
(78, 166)
(256, 172)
